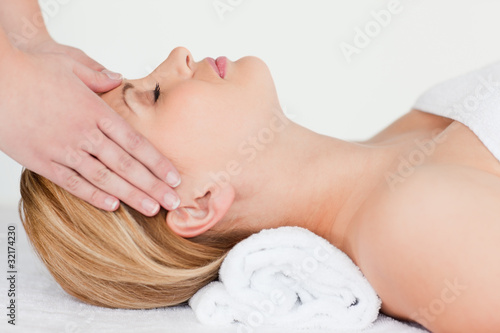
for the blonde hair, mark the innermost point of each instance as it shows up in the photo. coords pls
(119, 259)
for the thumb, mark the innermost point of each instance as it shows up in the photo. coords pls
(97, 81)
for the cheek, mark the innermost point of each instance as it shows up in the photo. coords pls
(203, 109)
(188, 128)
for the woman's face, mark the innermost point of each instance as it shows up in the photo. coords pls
(195, 117)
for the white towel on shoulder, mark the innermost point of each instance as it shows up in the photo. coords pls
(472, 99)
(287, 277)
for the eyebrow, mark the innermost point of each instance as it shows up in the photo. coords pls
(126, 87)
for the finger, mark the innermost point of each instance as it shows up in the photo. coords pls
(106, 180)
(127, 167)
(134, 143)
(79, 56)
(87, 61)
(97, 81)
(79, 187)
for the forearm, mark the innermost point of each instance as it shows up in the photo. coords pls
(22, 21)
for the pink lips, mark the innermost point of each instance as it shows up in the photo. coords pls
(218, 65)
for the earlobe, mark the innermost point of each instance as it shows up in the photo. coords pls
(203, 214)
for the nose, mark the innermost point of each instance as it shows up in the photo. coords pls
(183, 61)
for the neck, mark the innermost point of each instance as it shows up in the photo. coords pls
(313, 181)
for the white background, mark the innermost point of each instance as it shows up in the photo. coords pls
(427, 42)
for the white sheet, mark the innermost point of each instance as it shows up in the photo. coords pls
(42, 306)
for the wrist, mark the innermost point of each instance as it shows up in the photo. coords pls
(31, 44)
(23, 22)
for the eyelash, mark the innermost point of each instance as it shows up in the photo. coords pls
(157, 92)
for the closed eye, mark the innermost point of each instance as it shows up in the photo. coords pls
(157, 92)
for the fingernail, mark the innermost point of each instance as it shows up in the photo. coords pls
(112, 203)
(113, 75)
(150, 206)
(172, 201)
(173, 179)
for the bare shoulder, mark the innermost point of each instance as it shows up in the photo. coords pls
(430, 248)
(414, 120)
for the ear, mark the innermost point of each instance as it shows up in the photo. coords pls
(204, 213)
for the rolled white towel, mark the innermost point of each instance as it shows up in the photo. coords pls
(287, 277)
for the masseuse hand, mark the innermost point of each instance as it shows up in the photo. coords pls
(53, 124)
(46, 44)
